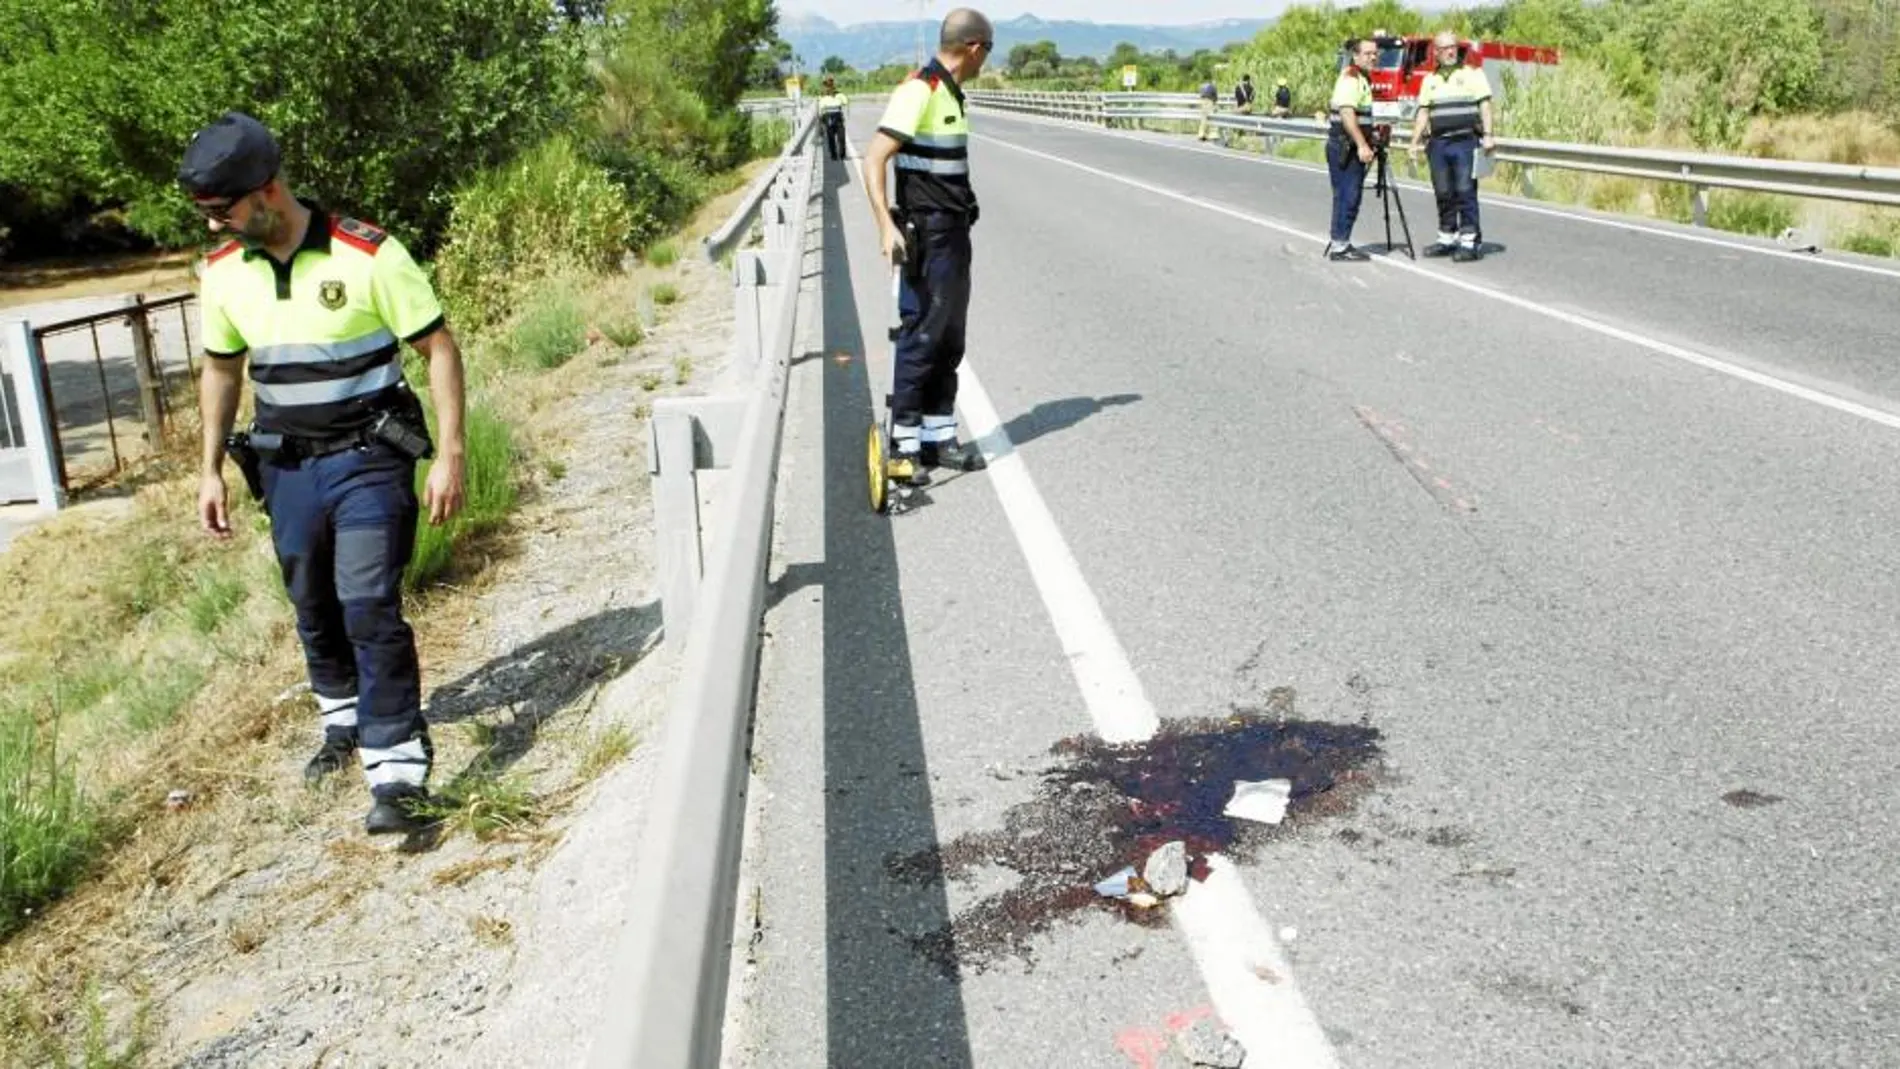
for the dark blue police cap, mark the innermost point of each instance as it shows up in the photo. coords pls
(229, 158)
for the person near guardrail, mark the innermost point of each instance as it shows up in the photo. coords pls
(1348, 148)
(1282, 100)
(1454, 112)
(925, 134)
(1244, 95)
(1210, 99)
(831, 109)
(319, 306)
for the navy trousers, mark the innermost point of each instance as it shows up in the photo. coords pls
(834, 135)
(933, 305)
(344, 526)
(1349, 184)
(1454, 185)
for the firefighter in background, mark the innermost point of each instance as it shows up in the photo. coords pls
(319, 307)
(831, 110)
(925, 133)
(1349, 146)
(1454, 110)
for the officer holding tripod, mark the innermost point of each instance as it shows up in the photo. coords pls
(1454, 104)
(1349, 147)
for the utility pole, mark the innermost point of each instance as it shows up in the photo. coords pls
(920, 34)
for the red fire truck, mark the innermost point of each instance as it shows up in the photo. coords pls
(1404, 61)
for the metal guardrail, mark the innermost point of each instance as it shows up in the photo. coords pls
(1703, 171)
(666, 1001)
(721, 239)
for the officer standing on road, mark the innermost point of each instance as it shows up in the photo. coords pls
(320, 305)
(1210, 99)
(1454, 105)
(831, 109)
(924, 129)
(1348, 149)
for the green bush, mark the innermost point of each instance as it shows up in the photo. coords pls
(47, 826)
(489, 481)
(1750, 213)
(662, 254)
(549, 333)
(550, 210)
(1867, 244)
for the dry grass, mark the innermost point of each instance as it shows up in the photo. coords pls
(1854, 138)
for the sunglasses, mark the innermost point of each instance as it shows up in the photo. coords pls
(220, 211)
(987, 46)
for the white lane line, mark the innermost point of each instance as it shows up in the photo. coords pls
(1792, 389)
(1241, 963)
(1114, 695)
(1493, 200)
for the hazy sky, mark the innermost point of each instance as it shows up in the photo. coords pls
(1149, 11)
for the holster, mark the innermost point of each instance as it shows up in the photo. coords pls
(913, 245)
(248, 461)
(405, 427)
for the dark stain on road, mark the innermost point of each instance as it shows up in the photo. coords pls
(1101, 807)
(1747, 799)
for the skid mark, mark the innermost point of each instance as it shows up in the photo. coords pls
(1396, 437)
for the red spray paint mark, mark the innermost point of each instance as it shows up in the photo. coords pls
(1145, 1046)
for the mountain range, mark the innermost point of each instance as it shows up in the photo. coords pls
(865, 45)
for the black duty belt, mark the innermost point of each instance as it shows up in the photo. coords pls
(304, 447)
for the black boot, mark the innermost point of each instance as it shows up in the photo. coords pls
(336, 751)
(397, 811)
(953, 456)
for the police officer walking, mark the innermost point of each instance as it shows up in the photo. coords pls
(831, 111)
(319, 306)
(1348, 146)
(1454, 107)
(925, 132)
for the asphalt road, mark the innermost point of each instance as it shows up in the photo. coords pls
(1576, 568)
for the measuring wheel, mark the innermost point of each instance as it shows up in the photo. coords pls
(887, 471)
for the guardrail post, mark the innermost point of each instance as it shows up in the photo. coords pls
(23, 363)
(1699, 206)
(748, 316)
(675, 517)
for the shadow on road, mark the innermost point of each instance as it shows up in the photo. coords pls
(887, 1005)
(1051, 416)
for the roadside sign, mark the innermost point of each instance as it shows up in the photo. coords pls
(1131, 76)
(792, 87)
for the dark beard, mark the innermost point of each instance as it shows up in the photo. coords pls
(261, 228)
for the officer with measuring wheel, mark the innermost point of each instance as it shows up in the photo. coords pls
(320, 306)
(1454, 107)
(925, 133)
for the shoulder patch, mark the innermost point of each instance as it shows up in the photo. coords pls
(358, 233)
(221, 252)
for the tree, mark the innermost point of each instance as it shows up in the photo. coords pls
(382, 121)
(834, 65)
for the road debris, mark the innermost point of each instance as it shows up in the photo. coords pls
(1264, 801)
(1206, 1044)
(1166, 871)
(178, 799)
(1118, 885)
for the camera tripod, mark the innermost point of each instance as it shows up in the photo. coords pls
(1388, 196)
